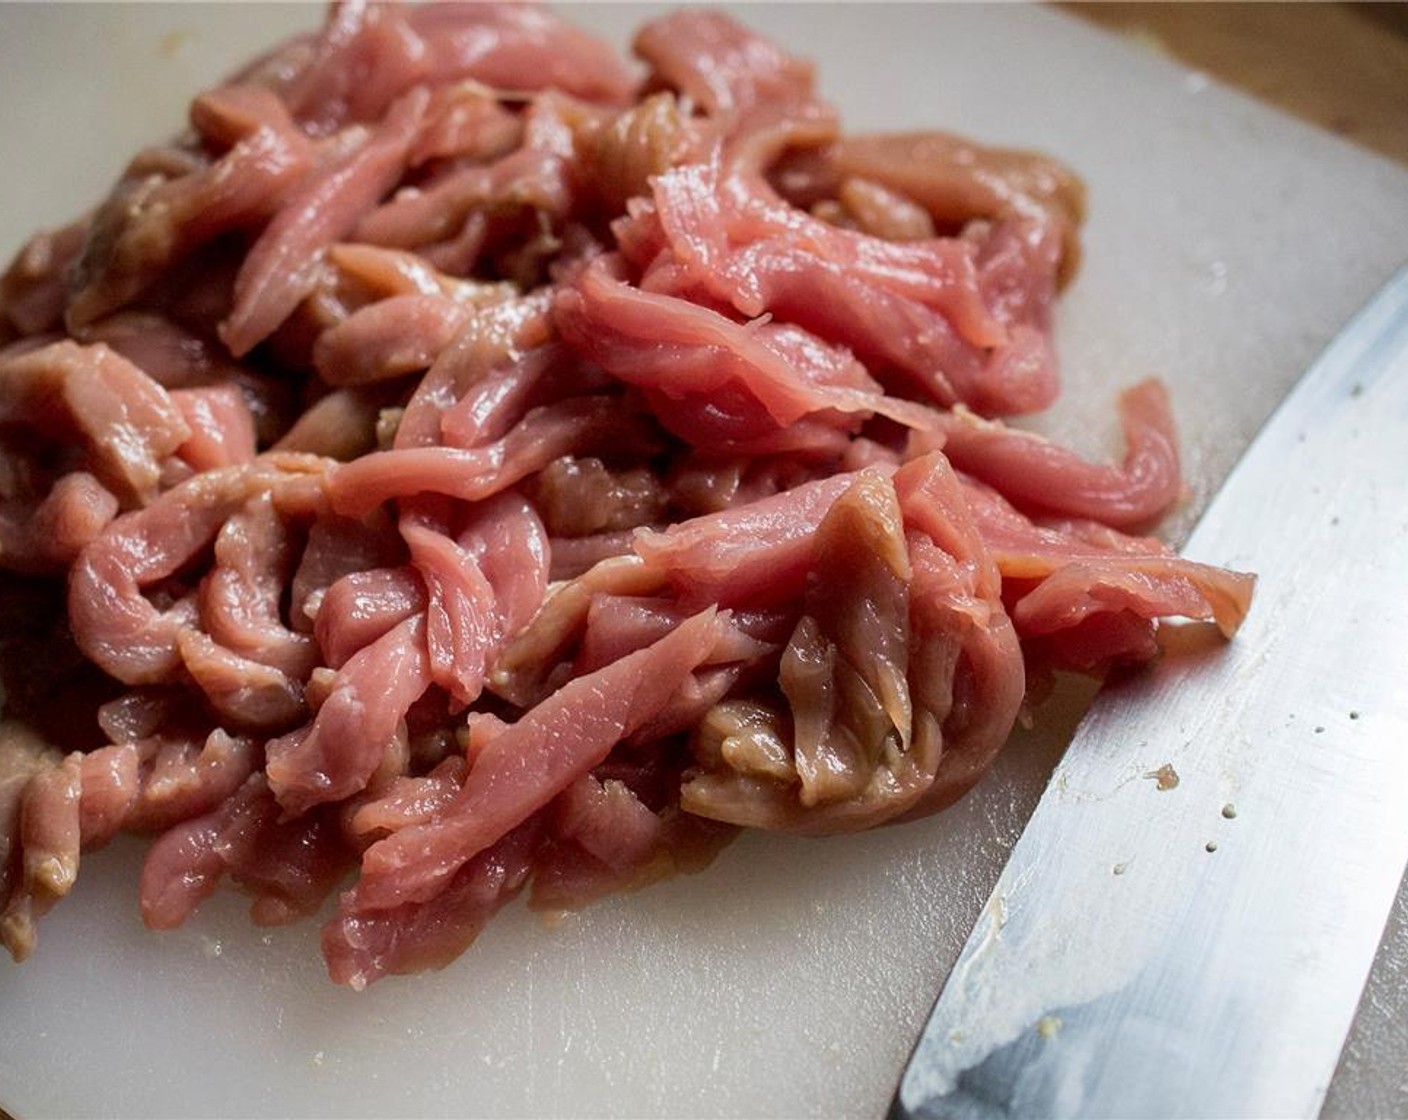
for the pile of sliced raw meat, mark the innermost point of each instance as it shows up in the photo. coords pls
(465, 464)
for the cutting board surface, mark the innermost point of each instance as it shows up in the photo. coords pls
(1225, 246)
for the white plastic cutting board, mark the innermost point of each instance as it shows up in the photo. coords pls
(1225, 245)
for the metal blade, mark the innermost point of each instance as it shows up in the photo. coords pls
(1200, 950)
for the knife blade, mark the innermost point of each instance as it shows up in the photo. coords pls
(1187, 921)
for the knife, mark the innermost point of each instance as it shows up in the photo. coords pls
(1186, 923)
